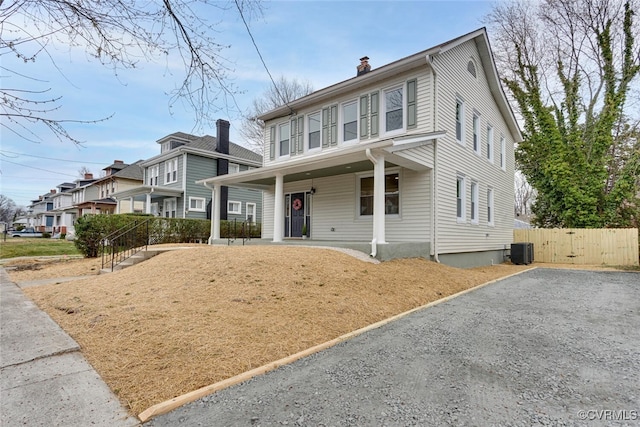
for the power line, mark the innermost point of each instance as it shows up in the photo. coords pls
(275, 86)
(50, 158)
(40, 169)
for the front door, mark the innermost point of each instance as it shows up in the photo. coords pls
(297, 214)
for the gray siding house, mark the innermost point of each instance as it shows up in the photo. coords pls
(415, 158)
(169, 186)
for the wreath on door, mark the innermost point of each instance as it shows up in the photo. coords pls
(297, 204)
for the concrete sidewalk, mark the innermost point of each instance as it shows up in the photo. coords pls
(45, 379)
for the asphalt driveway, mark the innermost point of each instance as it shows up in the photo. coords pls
(548, 347)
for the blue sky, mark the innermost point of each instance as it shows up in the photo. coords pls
(317, 41)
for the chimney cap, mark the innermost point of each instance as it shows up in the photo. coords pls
(364, 58)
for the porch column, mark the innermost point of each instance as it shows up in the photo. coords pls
(118, 202)
(278, 210)
(147, 204)
(215, 213)
(131, 204)
(378, 199)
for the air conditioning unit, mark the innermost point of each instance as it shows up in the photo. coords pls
(522, 253)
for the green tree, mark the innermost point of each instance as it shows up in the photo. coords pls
(569, 66)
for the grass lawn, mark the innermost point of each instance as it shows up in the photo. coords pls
(20, 246)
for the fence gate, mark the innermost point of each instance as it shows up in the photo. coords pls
(608, 246)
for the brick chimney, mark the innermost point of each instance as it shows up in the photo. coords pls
(52, 191)
(88, 176)
(222, 147)
(118, 162)
(364, 66)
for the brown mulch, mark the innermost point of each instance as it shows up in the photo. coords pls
(186, 319)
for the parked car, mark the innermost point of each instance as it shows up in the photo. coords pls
(26, 232)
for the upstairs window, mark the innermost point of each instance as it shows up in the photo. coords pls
(284, 135)
(490, 143)
(503, 153)
(471, 68)
(460, 121)
(476, 133)
(393, 109)
(314, 130)
(350, 121)
(171, 171)
(234, 168)
(154, 172)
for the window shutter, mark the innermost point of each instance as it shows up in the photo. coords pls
(411, 104)
(325, 127)
(375, 107)
(272, 142)
(293, 138)
(364, 116)
(300, 134)
(333, 128)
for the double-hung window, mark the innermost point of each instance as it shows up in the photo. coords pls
(283, 139)
(503, 153)
(460, 121)
(391, 195)
(393, 109)
(490, 143)
(314, 127)
(171, 171)
(350, 121)
(490, 206)
(476, 133)
(234, 168)
(154, 171)
(197, 204)
(474, 203)
(460, 199)
(234, 207)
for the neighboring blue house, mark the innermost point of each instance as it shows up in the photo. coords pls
(169, 187)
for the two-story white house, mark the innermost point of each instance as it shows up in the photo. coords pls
(415, 158)
(64, 213)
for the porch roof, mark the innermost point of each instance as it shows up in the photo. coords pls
(329, 163)
(143, 190)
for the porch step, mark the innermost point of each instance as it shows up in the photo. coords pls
(138, 258)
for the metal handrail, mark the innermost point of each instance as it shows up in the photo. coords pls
(124, 243)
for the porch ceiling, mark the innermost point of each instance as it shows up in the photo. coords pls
(155, 191)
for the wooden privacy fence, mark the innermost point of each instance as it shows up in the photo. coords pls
(609, 246)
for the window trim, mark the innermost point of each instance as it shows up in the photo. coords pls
(460, 102)
(490, 146)
(476, 135)
(503, 153)
(198, 199)
(341, 137)
(279, 140)
(233, 166)
(255, 212)
(361, 175)
(174, 202)
(171, 171)
(233, 212)
(307, 147)
(383, 110)
(154, 173)
(475, 201)
(462, 218)
(491, 212)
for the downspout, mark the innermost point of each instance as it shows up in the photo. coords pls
(434, 186)
(374, 241)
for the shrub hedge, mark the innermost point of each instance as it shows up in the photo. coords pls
(91, 230)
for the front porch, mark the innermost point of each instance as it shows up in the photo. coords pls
(385, 252)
